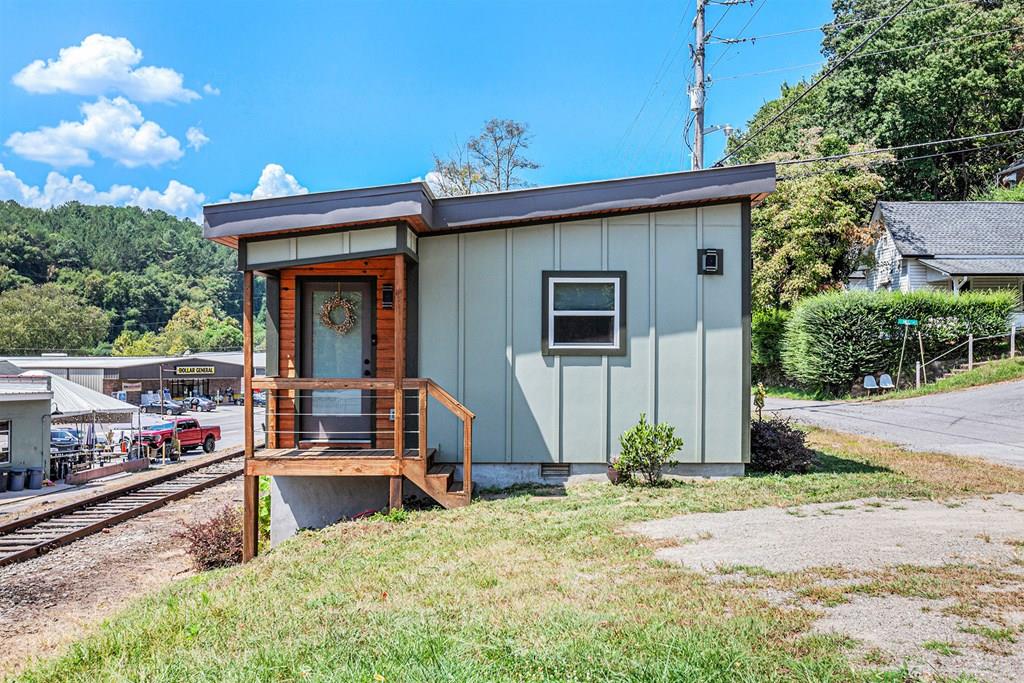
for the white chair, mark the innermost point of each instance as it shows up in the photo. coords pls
(885, 382)
(869, 383)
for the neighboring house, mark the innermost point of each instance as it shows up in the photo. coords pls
(1012, 175)
(25, 404)
(948, 246)
(521, 333)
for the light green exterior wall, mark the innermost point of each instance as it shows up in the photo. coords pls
(30, 433)
(686, 364)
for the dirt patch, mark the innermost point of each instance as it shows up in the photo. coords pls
(858, 534)
(935, 587)
(923, 636)
(47, 602)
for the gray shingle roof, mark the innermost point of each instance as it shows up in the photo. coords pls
(955, 228)
(977, 266)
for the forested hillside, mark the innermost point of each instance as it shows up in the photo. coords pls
(76, 277)
(938, 71)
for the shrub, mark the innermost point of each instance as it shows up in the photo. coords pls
(646, 450)
(766, 331)
(777, 447)
(833, 339)
(215, 542)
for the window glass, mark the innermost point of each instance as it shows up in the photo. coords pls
(584, 296)
(5, 441)
(584, 329)
(584, 312)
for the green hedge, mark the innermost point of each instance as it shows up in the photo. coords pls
(832, 340)
(766, 330)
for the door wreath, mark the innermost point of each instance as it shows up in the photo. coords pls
(345, 325)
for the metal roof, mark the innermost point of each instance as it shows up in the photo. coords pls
(977, 266)
(118, 362)
(954, 228)
(413, 202)
(74, 400)
(24, 389)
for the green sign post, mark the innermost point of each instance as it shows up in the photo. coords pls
(906, 321)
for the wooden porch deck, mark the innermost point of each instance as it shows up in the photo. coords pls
(331, 462)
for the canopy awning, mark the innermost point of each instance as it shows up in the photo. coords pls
(71, 402)
(977, 266)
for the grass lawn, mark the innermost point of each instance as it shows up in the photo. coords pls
(797, 393)
(540, 584)
(1003, 370)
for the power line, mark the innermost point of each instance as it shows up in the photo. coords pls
(884, 162)
(828, 72)
(658, 75)
(822, 27)
(876, 53)
(897, 148)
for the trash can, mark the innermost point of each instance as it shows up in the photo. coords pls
(16, 482)
(4, 476)
(35, 478)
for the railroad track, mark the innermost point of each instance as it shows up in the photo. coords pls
(32, 536)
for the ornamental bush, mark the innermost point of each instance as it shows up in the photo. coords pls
(214, 542)
(766, 331)
(831, 340)
(647, 449)
(778, 447)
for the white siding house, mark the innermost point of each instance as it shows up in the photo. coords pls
(948, 246)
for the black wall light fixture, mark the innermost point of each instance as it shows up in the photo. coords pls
(387, 297)
(709, 261)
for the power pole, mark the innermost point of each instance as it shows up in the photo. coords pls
(697, 90)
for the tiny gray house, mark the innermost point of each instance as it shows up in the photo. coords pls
(493, 338)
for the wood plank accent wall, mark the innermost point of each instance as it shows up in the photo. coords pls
(383, 268)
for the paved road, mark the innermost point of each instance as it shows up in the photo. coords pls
(986, 422)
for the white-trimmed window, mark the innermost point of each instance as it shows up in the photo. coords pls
(584, 313)
(5, 442)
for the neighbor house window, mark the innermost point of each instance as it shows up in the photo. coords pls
(5, 442)
(584, 313)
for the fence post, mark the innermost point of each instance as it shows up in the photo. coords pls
(917, 374)
(970, 351)
(1013, 340)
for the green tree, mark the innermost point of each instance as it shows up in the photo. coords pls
(808, 236)
(953, 70)
(39, 318)
(190, 329)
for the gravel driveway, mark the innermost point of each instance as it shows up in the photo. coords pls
(986, 422)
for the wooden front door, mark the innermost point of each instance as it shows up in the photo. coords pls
(337, 329)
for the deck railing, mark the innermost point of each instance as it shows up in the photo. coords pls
(399, 395)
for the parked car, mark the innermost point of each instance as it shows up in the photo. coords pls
(64, 441)
(170, 407)
(259, 399)
(201, 403)
(190, 434)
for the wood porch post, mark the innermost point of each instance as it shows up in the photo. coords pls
(395, 498)
(250, 484)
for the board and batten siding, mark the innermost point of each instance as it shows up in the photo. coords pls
(480, 337)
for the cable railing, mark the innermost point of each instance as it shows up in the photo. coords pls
(358, 418)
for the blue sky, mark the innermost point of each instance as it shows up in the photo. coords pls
(346, 94)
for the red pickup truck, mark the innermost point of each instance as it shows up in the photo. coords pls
(190, 434)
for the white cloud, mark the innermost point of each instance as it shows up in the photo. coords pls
(113, 128)
(103, 64)
(274, 182)
(12, 187)
(196, 137)
(177, 198)
(211, 89)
